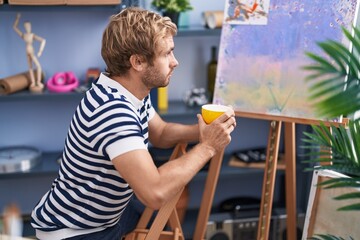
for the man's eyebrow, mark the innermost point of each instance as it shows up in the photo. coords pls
(168, 50)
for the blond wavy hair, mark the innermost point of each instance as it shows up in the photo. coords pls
(133, 31)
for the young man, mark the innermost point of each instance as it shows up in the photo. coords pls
(106, 158)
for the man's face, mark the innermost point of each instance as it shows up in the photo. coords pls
(158, 75)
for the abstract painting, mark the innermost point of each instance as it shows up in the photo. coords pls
(260, 63)
(247, 12)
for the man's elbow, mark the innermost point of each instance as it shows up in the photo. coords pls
(155, 200)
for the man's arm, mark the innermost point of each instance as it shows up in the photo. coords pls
(156, 186)
(165, 135)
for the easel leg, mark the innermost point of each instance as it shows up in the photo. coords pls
(290, 179)
(208, 196)
(269, 181)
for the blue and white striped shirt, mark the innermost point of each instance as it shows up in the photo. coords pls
(89, 194)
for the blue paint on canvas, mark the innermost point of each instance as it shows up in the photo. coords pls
(259, 67)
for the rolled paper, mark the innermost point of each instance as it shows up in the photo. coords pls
(204, 16)
(214, 19)
(14, 83)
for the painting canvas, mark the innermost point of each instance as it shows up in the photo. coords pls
(322, 216)
(247, 12)
(261, 55)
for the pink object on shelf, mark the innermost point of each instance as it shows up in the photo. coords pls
(62, 82)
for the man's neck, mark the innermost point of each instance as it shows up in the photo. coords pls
(133, 85)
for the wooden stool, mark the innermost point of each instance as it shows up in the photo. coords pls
(166, 214)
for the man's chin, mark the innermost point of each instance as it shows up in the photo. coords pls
(166, 83)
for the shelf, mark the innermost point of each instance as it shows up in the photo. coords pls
(237, 163)
(46, 95)
(179, 109)
(227, 171)
(201, 31)
(48, 165)
(191, 31)
(53, 8)
(160, 156)
(176, 108)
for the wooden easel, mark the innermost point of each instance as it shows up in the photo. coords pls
(208, 196)
(268, 186)
(269, 180)
(271, 166)
(168, 212)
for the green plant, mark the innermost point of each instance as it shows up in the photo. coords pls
(335, 91)
(174, 6)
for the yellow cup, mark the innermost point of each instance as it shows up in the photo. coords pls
(210, 112)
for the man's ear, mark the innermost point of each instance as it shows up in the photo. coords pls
(137, 62)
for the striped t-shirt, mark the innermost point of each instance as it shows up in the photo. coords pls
(89, 194)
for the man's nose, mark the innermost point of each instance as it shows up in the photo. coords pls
(174, 62)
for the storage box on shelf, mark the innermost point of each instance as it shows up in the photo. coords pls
(64, 2)
(37, 2)
(93, 2)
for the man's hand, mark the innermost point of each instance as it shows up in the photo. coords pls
(217, 134)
